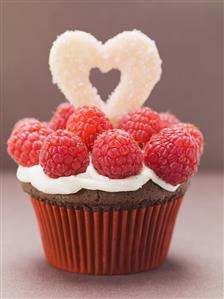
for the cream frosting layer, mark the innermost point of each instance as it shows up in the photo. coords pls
(90, 180)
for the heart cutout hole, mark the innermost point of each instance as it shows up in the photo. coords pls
(105, 83)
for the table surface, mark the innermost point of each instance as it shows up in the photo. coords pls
(193, 268)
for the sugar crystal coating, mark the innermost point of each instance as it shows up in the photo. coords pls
(75, 53)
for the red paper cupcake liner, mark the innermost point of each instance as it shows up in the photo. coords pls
(106, 242)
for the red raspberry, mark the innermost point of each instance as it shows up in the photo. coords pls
(25, 143)
(27, 120)
(61, 116)
(195, 133)
(168, 119)
(88, 122)
(117, 155)
(63, 154)
(173, 154)
(141, 124)
(46, 123)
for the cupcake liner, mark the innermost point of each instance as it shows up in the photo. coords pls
(106, 241)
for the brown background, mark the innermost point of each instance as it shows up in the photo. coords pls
(188, 35)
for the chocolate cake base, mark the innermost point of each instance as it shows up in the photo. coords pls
(150, 194)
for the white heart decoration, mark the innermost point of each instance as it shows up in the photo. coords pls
(75, 53)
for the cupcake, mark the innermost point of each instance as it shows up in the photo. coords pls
(106, 180)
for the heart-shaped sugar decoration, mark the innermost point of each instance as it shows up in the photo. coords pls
(75, 53)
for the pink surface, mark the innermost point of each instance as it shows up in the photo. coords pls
(193, 268)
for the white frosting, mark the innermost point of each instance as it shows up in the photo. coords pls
(90, 180)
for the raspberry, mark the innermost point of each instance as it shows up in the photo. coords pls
(27, 120)
(88, 122)
(61, 116)
(117, 155)
(25, 143)
(168, 119)
(173, 154)
(63, 154)
(141, 124)
(195, 133)
(46, 123)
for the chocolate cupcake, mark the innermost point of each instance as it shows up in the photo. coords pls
(106, 183)
(98, 232)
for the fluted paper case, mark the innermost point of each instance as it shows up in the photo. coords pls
(116, 241)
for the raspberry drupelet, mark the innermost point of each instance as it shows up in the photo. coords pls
(63, 154)
(61, 116)
(141, 124)
(173, 154)
(168, 120)
(194, 132)
(88, 122)
(117, 155)
(26, 141)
